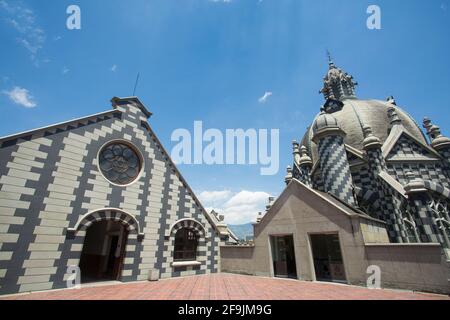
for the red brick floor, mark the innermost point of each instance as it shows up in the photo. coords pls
(227, 287)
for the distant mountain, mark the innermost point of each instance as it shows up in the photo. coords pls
(242, 230)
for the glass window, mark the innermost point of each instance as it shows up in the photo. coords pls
(186, 242)
(119, 163)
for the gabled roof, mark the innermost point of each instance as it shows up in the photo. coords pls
(395, 134)
(133, 101)
(342, 207)
(61, 126)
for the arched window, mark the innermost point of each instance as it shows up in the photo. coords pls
(186, 241)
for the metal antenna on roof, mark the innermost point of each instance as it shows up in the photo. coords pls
(135, 85)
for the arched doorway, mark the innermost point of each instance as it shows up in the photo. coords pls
(103, 251)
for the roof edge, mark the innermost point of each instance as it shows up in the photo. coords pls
(33, 131)
(117, 101)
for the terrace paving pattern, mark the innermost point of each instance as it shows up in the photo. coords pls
(224, 286)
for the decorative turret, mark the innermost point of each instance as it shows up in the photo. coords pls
(393, 117)
(424, 212)
(302, 164)
(372, 146)
(296, 152)
(325, 125)
(288, 177)
(305, 159)
(370, 141)
(333, 160)
(438, 141)
(305, 166)
(415, 184)
(337, 84)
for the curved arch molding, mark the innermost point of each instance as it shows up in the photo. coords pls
(188, 223)
(128, 220)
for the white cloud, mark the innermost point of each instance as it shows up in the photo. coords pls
(214, 196)
(23, 20)
(65, 70)
(237, 207)
(21, 97)
(114, 68)
(266, 96)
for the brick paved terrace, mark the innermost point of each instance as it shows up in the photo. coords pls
(226, 287)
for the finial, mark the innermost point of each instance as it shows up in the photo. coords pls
(296, 152)
(337, 84)
(415, 184)
(370, 140)
(259, 217)
(392, 114)
(288, 176)
(438, 141)
(391, 100)
(305, 158)
(427, 124)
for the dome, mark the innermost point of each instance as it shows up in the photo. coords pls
(324, 121)
(354, 115)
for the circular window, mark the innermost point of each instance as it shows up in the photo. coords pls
(119, 163)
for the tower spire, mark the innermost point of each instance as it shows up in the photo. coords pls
(337, 84)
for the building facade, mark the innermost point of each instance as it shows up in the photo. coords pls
(100, 194)
(367, 189)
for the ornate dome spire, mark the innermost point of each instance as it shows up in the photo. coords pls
(337, 84)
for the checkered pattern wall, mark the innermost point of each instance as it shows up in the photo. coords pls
(49, 180)
(335, 169)
(303, 174)
(405, 146)
(379, 197)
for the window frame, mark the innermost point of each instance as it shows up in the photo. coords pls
(189, 245)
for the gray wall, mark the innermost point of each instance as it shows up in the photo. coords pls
(420, 267)
(237, 259)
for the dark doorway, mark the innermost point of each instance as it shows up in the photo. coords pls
(327, 256)
(283, 256)
(103, 252)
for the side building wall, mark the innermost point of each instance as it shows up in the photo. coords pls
(364, 242)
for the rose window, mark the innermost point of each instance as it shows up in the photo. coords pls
(119, 163)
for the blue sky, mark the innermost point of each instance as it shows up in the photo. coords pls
(211, 61)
